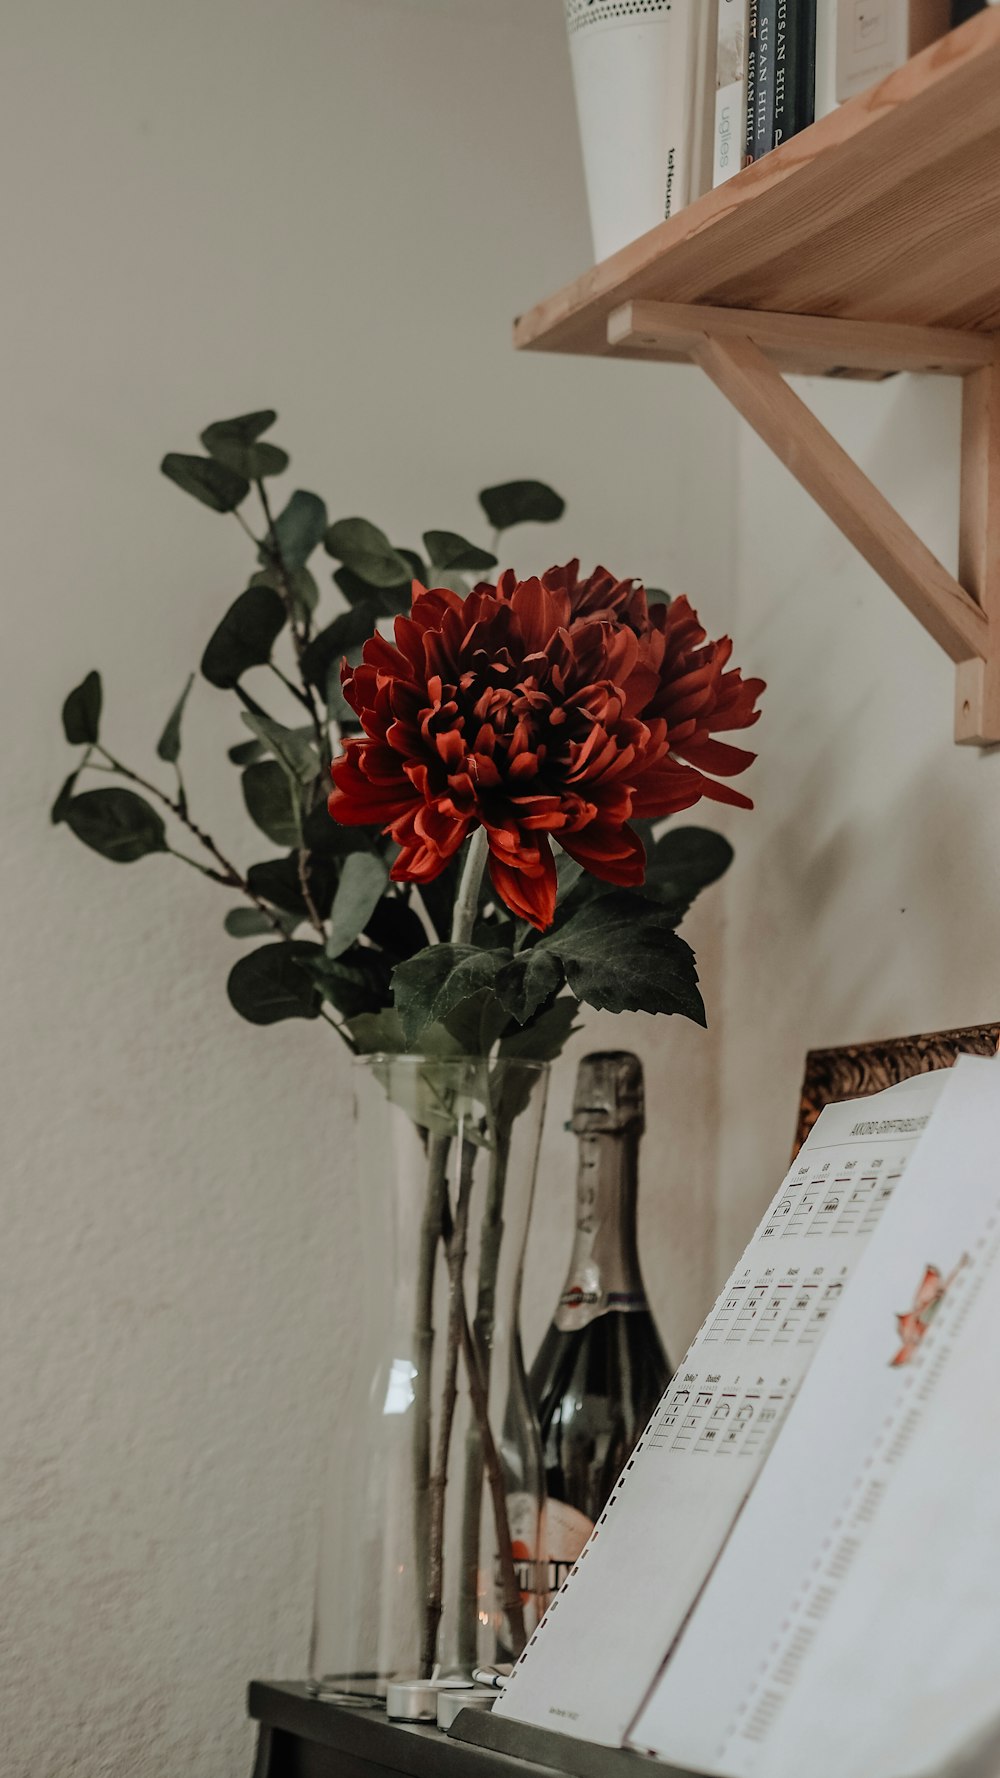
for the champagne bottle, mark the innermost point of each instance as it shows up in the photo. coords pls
(601, 1368)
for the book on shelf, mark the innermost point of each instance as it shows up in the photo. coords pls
(793, 1572)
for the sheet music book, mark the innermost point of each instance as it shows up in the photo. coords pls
(836, 1607)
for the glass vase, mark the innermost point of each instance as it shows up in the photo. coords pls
(430, 1556)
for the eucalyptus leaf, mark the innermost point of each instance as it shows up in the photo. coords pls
(210, 482)
(356, 982)
(363, 880)
(289, 745)
(271, 803)
(117, 823)
(234, 444)
(81, 714)
(367, 552)
(298, 583)
(245, 752)
(621, 954)
(347, 631)
(299, 529)
(271, 984)
(519, 503)
(168, 746)
(655, 595)
(57, 813)
(383, 601)
(249, 922)
(244, 638)
(449, 550)
(277, 880)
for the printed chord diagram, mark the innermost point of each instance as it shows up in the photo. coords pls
(828, 1205)
(772, 1313)
(822, 1299)
(882, 1191)
(725, 1430)
(798, 1222)
(781, 1217)
(691, 1419)
(730, 1311)
(768, 1410)
(859, 1191)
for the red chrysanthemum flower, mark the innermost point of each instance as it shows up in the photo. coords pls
(537, 708)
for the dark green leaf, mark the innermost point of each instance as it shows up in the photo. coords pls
(473, 1025)
(253, 922)
(568, 874)
(244, 638)
(432, 984)
(326, 650)
(685, 860)
(57, 813)
(366, 550)
(522, 986)
(656, 596)
(271, 984)
(545, 1037)
(354, 983)
(448, 550)
(168, 746)
(621, 954)
(302, 590)
(277, 880)
(518, 503)
(299, 529)
(395, 928)
(210, 482)
(363, 880)
(233, 443)
(245, 752)
(378, 1032)
(271, 806)
(116, 823)
(290, 746)
(450, 578)
(81, 713)
(321, 833)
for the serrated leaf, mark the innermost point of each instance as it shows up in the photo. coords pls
(429, 986)
(363, 880)
(289, 745)
(546, 1036)
(367, 552)
(519, 503)
(168, 746)
(378, 1033)
(244, 638)
(233, 443)
(347, 631)
(81, 713)
(299, 529)
(524, 984)
(270, 803)
(210, 482)
(621, 954)
(447, 549)
(117, 823)
(271, 984)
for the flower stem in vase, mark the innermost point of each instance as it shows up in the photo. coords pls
(438, 1149)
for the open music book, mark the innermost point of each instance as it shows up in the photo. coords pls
(799, 1566)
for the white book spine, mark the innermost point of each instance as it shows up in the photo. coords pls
(729, 134)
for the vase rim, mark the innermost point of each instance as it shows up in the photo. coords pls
(457, 1061)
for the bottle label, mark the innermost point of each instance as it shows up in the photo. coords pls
(590, 1294)
(565, 1533)
(522, 1518)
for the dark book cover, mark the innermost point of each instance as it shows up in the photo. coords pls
(751, 79)
(764, 84)
(794, 68)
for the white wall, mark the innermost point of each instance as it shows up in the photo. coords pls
(864, 901)
(334, 206)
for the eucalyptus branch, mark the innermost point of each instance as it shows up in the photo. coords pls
(300, 635)
(303, 861)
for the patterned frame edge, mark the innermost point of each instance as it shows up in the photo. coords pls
(857, 1069)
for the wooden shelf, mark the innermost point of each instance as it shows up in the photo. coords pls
(866, 245)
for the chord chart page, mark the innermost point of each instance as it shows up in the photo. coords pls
(735, 1671)
(599, 1648)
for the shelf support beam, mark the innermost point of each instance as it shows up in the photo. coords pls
(977, 700)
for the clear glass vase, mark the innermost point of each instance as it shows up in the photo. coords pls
(430, 1558)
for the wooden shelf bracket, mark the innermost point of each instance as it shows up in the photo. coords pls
(744, 353)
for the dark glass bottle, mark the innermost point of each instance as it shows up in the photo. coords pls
(601, 1368)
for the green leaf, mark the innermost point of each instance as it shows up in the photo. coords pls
(546, 1036)
(271, 984)
(289, 746)
(363, 880)
(448, 550)
(245, 752)
(683, 861)
(57, 813)
(355, 983)
(244, 638)
(367, 552)
(519, 503)
(326, 650)
(271, 806)
(233, 443)
(395, 928)
(250, 923)
(655, 595)
(450, 578)
(531, 978)
(473, 1026)
(302, 590)
(81, 713)
(210, 482)
(116, 823)
(277, 880)
(378, 1032)
(299, 529)
(621, 954)
(168, 746)
(429, 986)
(321, 833)
(568, 874)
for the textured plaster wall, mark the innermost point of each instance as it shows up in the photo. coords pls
(334, 206)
